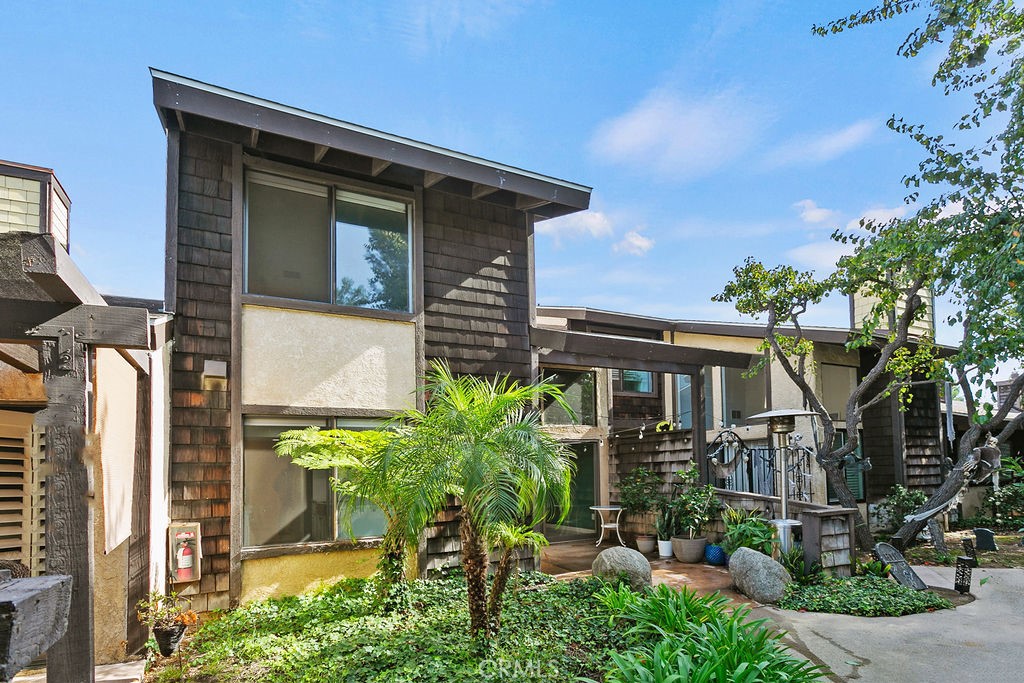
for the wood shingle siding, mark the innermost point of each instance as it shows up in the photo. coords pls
(200, 476)
(923, 440)
(475, 285)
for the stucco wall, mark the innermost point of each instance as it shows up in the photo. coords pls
(273, 577)
(299, 358)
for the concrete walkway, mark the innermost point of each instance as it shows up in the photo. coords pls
(126, 672)
(979, 641)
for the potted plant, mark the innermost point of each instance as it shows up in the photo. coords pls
(664, 527)
(639, 494)
(746, 529)
(167, 616)
(693, 509)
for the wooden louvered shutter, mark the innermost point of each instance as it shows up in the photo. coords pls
(22, 497)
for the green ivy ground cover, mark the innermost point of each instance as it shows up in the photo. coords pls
(865, 596)
(551, 631)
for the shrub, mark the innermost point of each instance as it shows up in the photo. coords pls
(900, 502)
(871, 568)
(865, 596)
(747, 529)
(691, 638)
(1007, 504)
(640, 491)
(801, 572)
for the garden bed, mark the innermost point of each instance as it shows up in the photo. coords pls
(551, 631)
(1009, 555)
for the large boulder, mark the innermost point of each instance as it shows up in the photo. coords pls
(619, 562)
(758, 576)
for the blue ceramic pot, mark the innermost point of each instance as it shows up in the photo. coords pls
(714, 555)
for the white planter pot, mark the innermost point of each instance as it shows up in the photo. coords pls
(664, 548)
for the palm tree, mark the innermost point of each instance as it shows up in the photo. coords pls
(353, 456)
(508, 539)
(477, 440)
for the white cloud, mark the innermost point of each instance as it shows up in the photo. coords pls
(433, 24)
(810, 212)
(817, 149)
(819, 256)
(679, 137)
(878, 215)
(633, 243)
(592, 224)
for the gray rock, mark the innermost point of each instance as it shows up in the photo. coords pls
(758, 576)
(619, 562)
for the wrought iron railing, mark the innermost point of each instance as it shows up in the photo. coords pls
(754, 469)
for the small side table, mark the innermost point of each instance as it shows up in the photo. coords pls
(608, 523)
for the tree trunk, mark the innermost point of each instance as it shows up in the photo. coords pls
(942, 496)
(474, 563)
(391, 566)
(501, 576)
(837, 480)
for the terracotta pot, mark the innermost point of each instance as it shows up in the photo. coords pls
(664, 548)
(168, 638)
(688, 549)
(645, 544)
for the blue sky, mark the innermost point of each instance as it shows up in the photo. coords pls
(709, 131)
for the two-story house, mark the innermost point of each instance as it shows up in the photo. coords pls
(314, 267)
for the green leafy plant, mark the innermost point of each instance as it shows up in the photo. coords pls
(746, 529)
(866, 596)
(694, 505)
(871, 568)
(1007, 504)
(478, 440)
(685, 637)
(640, 491)
(165, 611)
(334, 633)
(802, 572)
(900, 502)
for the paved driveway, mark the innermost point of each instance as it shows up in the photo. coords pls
(980, 641)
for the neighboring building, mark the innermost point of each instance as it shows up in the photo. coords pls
(119, 358)
(314, 267)
(903, 447)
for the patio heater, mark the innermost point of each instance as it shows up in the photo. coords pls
(782, 423)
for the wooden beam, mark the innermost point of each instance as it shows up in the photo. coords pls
(582, 360)
(33, 616)
(622, 352)
(69, 515)
(112, 326)
(254, 137)
(21, 356)
(378, 166)
(52, 269)
(524, 203)
(430, 178)
(181, 120)
(319, 151)
(480, 191)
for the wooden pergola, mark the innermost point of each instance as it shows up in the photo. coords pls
(50, 315)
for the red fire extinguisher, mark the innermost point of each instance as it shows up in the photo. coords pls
(184, 557)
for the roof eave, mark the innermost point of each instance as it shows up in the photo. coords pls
(174, 95)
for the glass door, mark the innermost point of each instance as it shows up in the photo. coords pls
(579, 524)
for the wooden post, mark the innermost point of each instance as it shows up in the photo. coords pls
(69, 532)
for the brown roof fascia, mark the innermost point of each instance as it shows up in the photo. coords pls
(178, 94)
(619, 352)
